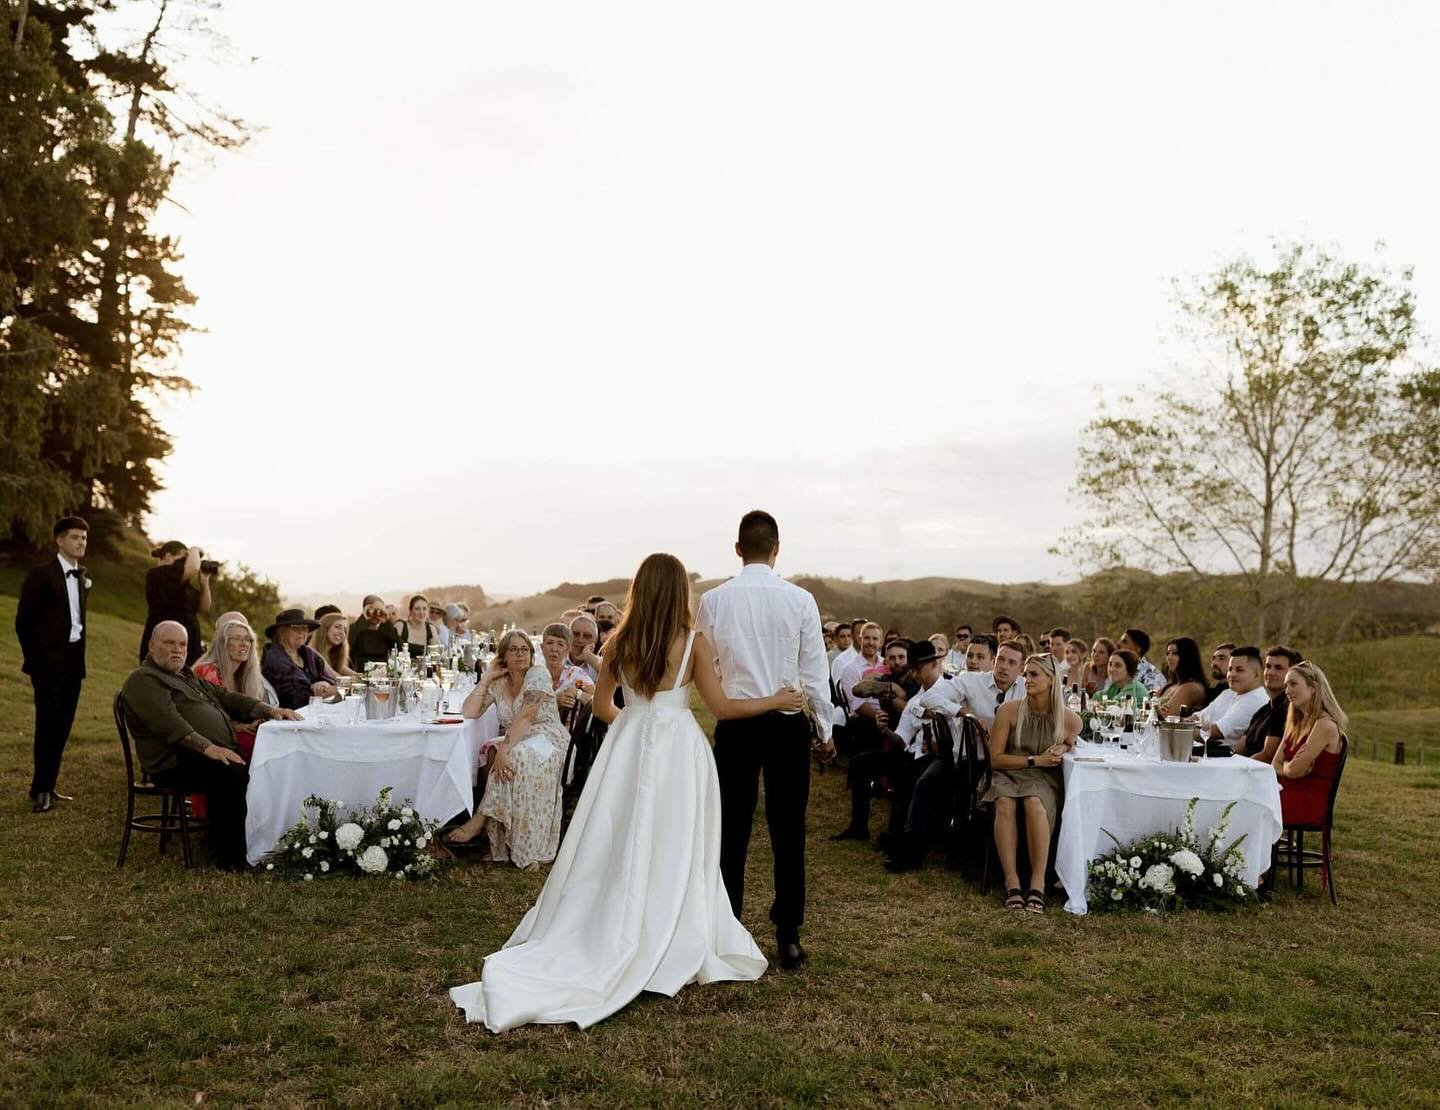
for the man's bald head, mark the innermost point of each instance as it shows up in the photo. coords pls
(168, 644)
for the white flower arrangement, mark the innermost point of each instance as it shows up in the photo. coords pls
(1173, 870)
(382, 839)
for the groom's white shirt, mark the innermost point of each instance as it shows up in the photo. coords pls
(766, 632)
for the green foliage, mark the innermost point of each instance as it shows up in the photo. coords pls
(92, 309)
(382, 839)
(238, 588)
(1173, 871)
(1306, 458)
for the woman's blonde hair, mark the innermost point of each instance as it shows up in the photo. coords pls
(244, 679)
(1046, 663)
(504, 646)
(1323, 703)
(337, 655)
(657, 610)
(942, 645)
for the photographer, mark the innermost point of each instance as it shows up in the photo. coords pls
(373, 636)
(177, 589)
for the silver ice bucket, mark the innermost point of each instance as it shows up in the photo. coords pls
(380, 702)
(1176, 742)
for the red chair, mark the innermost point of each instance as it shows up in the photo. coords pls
(1292, 851)
(174, 815)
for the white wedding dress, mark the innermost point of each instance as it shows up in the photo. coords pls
(634, 901)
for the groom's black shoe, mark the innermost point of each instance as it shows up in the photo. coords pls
(788, 950)
(849, 832)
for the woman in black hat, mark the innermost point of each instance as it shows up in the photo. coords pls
(292, 666)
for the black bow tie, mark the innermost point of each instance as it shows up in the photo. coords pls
(74, 573)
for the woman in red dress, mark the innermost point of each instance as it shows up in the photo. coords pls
(1309, 754)
(231, 663)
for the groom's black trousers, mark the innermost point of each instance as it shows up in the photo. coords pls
(778, 746)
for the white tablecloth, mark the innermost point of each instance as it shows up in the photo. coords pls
(1133, 797)
(430, 766)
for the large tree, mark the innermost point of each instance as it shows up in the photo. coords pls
(92, 309)
(1300, 455)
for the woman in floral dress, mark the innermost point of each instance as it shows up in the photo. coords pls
(520, 811)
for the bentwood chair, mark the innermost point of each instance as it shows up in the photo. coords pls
(1292, 852)
(174, 816)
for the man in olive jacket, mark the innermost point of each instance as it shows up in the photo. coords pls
(184, 733)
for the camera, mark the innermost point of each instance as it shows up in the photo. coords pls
(209, 566)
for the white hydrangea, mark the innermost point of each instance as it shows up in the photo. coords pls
(1160, 878)
(407, 812)
(324, 835)
(312, 840)
(324, 865)
(420, 842)
(269, 867)
(373, 860)
(399, 874)
(384, 842)
(308, 876)
(349, 835)
(1117, 895)
(1188, 862)
(1219, 879)
(307, 852)
(1135, 862)
(393, 824)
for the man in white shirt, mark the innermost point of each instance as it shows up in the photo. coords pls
(840, 642)
(765, 633)
(981, 693)
(955, 659)
(583, 634)
(1228, 716)
(1059, 637)
(904, 759)
(850, 651)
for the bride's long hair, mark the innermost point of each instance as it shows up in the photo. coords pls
(657, 610)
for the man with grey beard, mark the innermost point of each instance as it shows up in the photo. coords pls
(184, 733)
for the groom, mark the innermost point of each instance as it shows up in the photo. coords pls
(766, 634)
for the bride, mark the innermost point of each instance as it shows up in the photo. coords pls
(634, 901)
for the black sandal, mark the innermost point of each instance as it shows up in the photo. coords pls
(1014, 899)
(1035, 901)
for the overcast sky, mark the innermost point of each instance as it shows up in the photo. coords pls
(511, 293)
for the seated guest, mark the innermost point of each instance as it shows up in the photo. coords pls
(891, 684)
(1219, 671)
(1266, 729)
(331, 642)
(584, 633)
(1184, 679)
(607, 619)
(232, 663)
(1026, 745)
(571, 684)
(866, 659)
(842, 643)
(1122, 669)
(991, 681)
(1005, 628)
(520, 811)
(1308, 756)
(184, 734)
(415, 632)
(942, 645)
(321, 613)
(1228, 716)
(849, 652)
(1077, 666)
(1025, 642)
(1059, 637)
(292, 666)
(437, 624)
(1097, 672)
(457, 622)
(373, 636)
(1147, 674)
(1045, 642)
(827, 633)
(392, 613)
(903, 760)
(955, 657)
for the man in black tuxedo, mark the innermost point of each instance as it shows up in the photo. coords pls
(50, 624)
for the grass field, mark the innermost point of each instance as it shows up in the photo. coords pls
(154, 986)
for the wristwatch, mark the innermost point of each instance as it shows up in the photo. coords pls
(1029, 761)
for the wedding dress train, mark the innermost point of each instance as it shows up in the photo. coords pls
(634, 901)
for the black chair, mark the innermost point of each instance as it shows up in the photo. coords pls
(1292, 851)
(580, 756)
(174, 816)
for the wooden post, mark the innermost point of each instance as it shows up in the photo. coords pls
(1399, 753)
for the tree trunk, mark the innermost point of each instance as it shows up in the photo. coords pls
(20, 24)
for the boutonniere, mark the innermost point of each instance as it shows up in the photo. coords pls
(88, 582)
